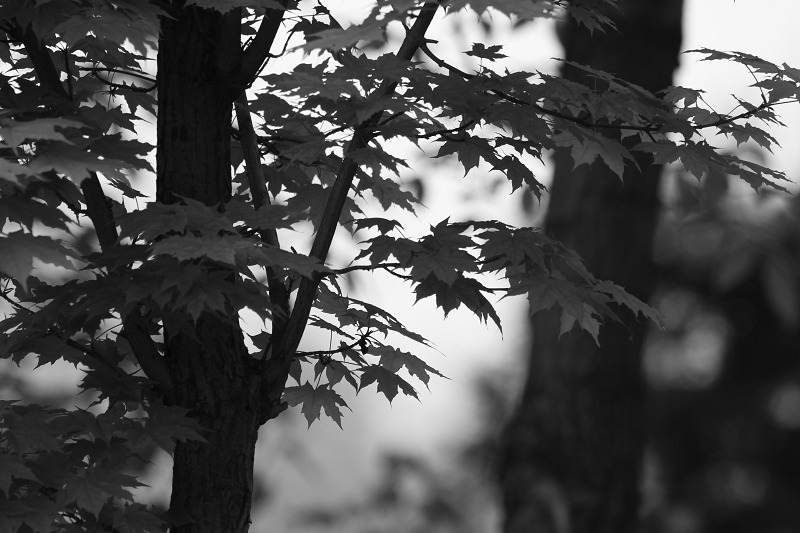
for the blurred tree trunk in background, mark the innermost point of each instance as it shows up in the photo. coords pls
(733, 466)
(572, 453)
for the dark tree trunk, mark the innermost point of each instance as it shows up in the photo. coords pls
(213, 374)
(572, 452)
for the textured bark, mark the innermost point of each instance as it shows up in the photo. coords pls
(572, 452)
(212, 373)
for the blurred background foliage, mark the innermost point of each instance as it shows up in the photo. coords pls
(723, 412)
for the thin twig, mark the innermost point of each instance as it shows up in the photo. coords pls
(341, 349)
(132, 74)
(648, 128)
(353, 268)
(124, 85)
(257, 53)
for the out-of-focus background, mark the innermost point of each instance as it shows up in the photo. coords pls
(723, 377)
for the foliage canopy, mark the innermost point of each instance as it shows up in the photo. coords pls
(316, 145)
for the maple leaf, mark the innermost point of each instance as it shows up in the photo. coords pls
(673, 95)
(590, 18)
(15, 132)
(136, 518)
(16, 174)
(543, 293)
(36, 512)
(315, 400)
(388, 192)
(20, 249)
(186, 247)
(92, 488)
(389, 383)
(624, 298)
(165, 425)
(383, 225)
(518, 174)
(506, 247)
(523, 10)
(335, 371)
(464, 291)
(469, 151)
(491, 53)
(78, 163)
(26, 211)
(696, 158)
(12, 466)
(31, 428)
(269, 216)
(445, 264)
(590, 147)
(394, 359)
(272, 256)
(588, 322)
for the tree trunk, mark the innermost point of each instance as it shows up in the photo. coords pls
(213, 374)
(572, 452)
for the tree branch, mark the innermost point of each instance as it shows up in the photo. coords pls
(134, 330)
(134, 326)
(99, 211)
(138, 75)
(388, 267)
(43, 65)
(647, 128)
(257, 52)
(362, 134)
(125, 86)
(260, 197)
(360, 343)
(353, 268)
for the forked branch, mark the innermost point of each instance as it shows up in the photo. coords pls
(362, 134)
(257, 52)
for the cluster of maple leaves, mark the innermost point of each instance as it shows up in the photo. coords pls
(488, 119)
